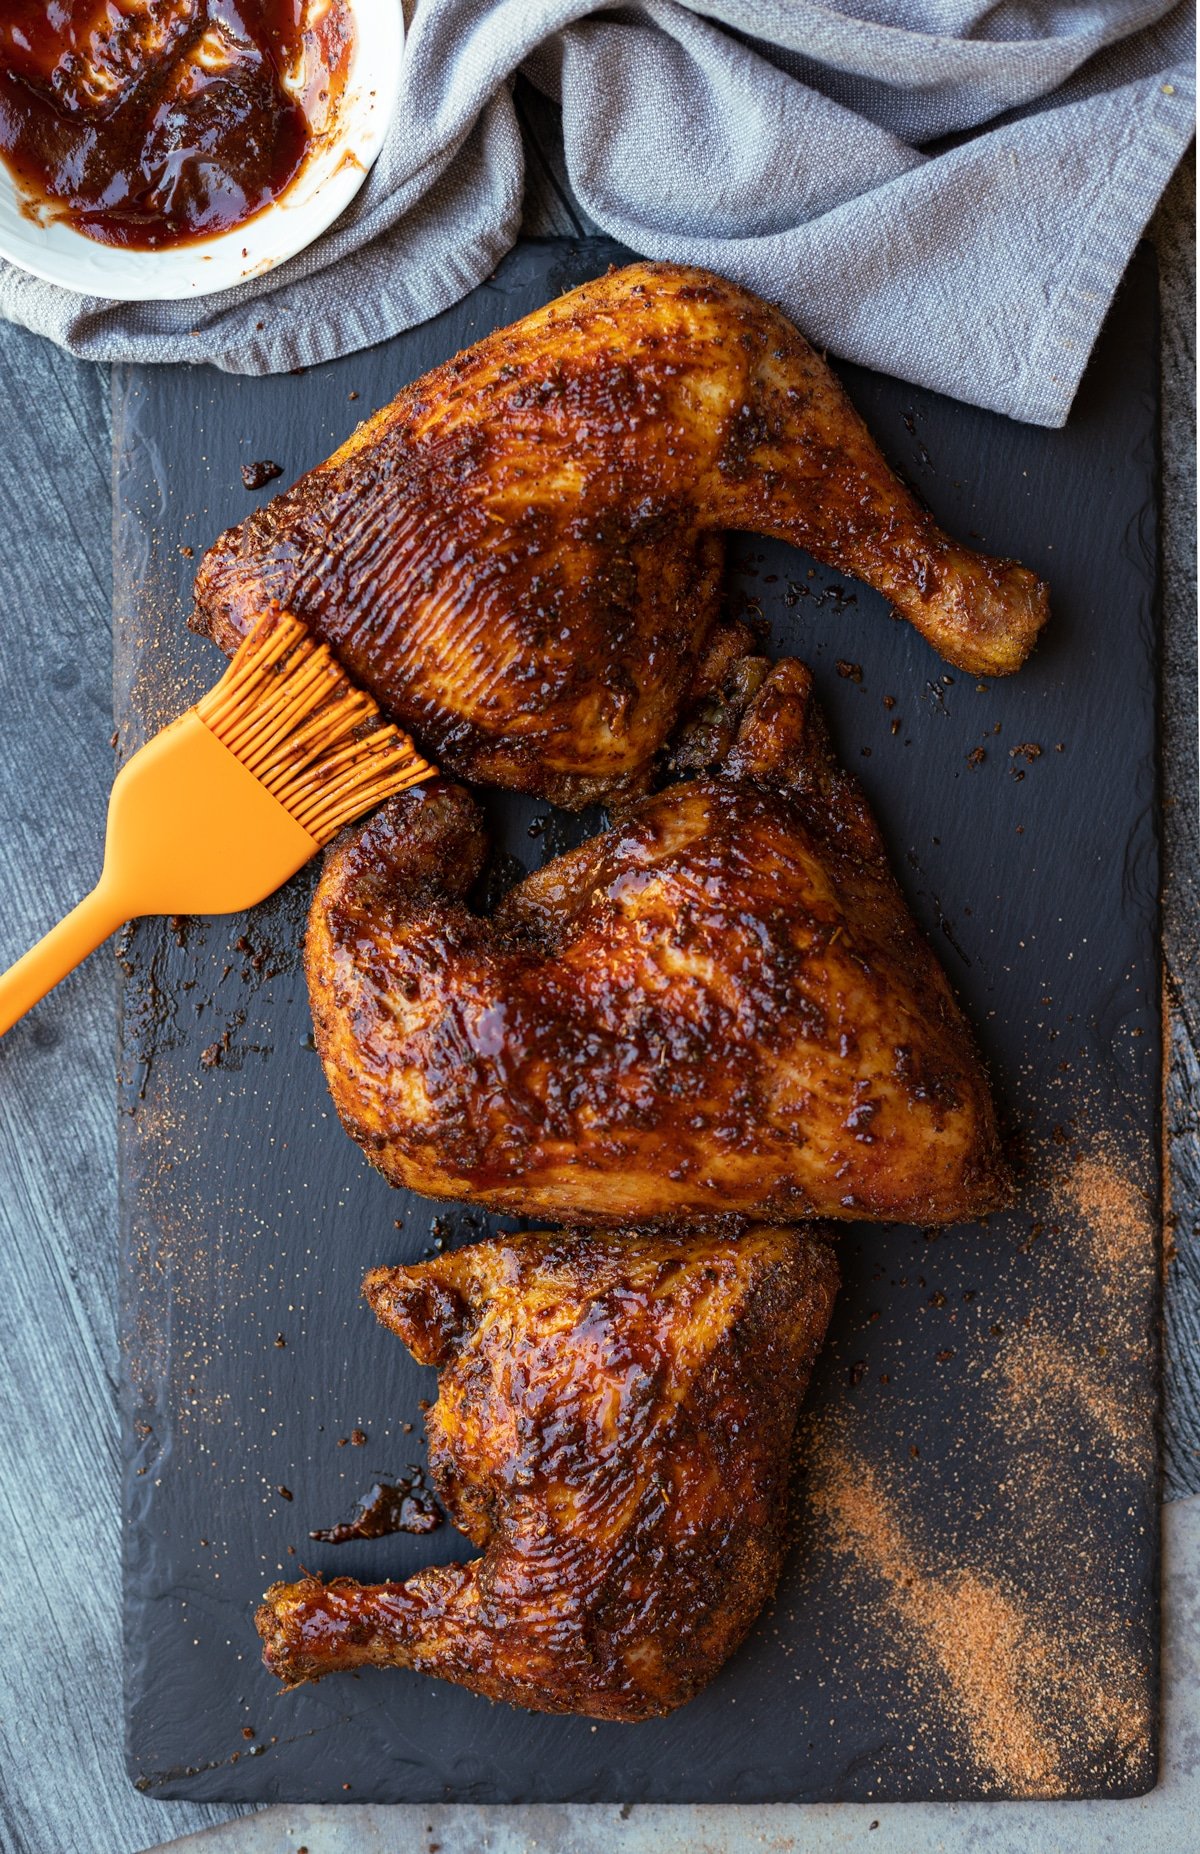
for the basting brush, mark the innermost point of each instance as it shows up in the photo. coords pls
(218, 810)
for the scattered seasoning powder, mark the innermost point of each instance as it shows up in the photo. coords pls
(1119, 1223)
(1046, 1383)
(1023, 1695)
(1049, 1380)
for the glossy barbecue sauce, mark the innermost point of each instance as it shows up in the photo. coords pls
(405, 1507)
(150, 123)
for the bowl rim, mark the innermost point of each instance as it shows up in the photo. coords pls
(328, 179)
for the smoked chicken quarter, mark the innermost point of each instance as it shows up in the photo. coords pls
(613, 1429)
(520, 557)
(718, 1009)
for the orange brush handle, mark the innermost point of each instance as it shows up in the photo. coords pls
(190, 831)
(85, 928)
(216, 812)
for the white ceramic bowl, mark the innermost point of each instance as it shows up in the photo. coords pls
(327, 181)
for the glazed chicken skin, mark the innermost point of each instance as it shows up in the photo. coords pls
(613, 1430)
(719, 1008)
(520, 556)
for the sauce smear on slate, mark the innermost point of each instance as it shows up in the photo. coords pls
(405, 1507)
(150, 123)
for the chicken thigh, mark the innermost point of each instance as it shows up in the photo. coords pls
(520, 556)
(613, 1430)
(718, 1008)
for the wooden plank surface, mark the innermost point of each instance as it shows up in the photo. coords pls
(1175, 228)
(63, 1789)
(61, 1678)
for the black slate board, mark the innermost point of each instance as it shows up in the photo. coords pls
(1000, 1383)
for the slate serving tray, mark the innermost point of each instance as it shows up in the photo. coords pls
(248, 1218)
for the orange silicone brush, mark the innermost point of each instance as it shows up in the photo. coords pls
(218, 810)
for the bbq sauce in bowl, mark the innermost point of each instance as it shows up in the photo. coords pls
(153, 123)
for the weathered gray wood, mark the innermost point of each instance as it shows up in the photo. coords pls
(550, 204)
(1174, 232)
(62, 1783)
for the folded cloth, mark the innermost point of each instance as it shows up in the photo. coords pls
(947, 190)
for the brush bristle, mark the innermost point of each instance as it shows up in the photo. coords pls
(288, 711)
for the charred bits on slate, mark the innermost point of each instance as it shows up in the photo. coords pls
(404, 1507)
(258, 475)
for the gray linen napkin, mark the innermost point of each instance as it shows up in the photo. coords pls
(784, 143)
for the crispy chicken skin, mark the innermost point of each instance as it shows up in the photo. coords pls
(719, 1008)
(520, 555)
(613, 1430)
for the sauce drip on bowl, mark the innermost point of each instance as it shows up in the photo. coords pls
(149, 123)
